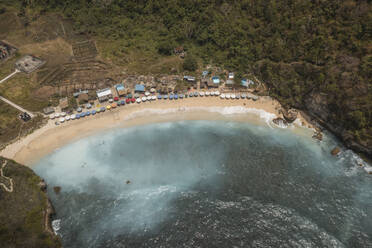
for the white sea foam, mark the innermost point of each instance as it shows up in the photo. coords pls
(56, 225)
(266, 116)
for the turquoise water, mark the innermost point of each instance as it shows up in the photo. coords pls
(208, 184)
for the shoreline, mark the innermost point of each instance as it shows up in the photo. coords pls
(50, 137)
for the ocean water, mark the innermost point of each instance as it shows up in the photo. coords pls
(208, 184)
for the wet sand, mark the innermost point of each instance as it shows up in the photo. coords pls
(30, 149)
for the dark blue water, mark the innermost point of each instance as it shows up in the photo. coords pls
(208, 184)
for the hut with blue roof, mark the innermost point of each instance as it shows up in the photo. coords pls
(139, 88)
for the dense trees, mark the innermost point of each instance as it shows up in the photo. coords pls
(295, 46)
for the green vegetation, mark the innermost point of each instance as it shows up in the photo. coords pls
(190, 63)
(22, 211)
(301, 49)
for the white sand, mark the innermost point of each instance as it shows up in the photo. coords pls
(45, 140)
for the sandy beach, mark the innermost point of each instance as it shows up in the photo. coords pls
(50, 137)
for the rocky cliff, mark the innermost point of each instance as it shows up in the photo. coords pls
(25, 208)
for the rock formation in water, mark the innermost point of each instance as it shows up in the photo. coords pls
(25, 210)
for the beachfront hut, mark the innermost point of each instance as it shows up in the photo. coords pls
(229, 83)
(231, 75)
(139, 88)
(216, 80)
(48, 110)
(104, 94)
(189, 79)
(246, 82)
(120, 89)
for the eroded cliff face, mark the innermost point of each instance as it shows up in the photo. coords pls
(317, 105)
(25, 208)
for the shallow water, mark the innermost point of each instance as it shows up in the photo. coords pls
(208, 184)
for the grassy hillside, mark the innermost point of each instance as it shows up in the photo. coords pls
(22, 211)
(313, 55)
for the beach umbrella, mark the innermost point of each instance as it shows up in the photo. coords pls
(181, 96)
(237, 96)
(148, 98)
(136, 95)
(122, 102)
(165, 97)
(176, 96)
(94, 112)
(103, 109)
(88, 106)
(222, 96)
(243, 96)
(147, 93)
(67, 117)
(77, 116)
(127, 100)
(114, 105)
(153, 98)
(227, 96)
(217, 93)
(129, 96)
(232, 96)
(61, 120)
(212, 93)
(51, 116)
(207, 93)
(138, 100)
(57, 115)
(133, 100)
(98, 110)
(82, 114)
(63, 114)
(116, 98)
(191, 94)
(196, 94)
(201, 93)
(119, 103)
(171, 97)
(108, 107)
(87, 113)
(143, 99)
(73, 117)
(159, 97)
(79, 109)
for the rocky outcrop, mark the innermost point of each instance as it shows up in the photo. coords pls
(280, 121)
(289, 115)
(335, 151)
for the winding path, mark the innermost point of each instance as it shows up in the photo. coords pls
(10, 189)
